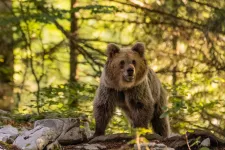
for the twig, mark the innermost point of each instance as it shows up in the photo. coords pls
(186, 138)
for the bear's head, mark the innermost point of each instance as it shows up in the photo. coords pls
(125, 67)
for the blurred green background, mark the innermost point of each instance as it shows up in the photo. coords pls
(52, 53)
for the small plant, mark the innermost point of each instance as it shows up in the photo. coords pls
(64, 96)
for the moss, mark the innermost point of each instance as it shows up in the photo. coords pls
(8, 146)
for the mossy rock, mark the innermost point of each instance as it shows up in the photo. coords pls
(5, 146)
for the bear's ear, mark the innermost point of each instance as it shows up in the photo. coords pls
(140, 48)
(112, 49)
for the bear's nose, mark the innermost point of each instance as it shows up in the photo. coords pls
(130, 71)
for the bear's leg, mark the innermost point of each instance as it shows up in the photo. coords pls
(138, 114)
(160, 125)
(103, 113)
(140, 122)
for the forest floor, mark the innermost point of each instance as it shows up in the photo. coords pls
(188, 141)
(125, 146)
(122, 145)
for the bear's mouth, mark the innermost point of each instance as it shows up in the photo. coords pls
(128, 78)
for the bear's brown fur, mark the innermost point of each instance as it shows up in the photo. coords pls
(128, 83)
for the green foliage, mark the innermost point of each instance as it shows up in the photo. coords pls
(45, 12)
(95, 9)
(7, 146)
(64, 96)
(204, 148)
(118, 123)
(196, 142)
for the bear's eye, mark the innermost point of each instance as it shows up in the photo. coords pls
(133, 62)
(122, 62)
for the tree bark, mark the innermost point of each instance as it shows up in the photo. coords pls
(6, 59)
(175, 56)
(73, 52)
(174, 69)
(73, 57)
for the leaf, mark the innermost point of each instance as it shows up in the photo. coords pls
(204, 148)
(96, 9)
(164, 114)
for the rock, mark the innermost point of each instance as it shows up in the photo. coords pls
(59, 124)
(176, 142)
(101, 146)
(152, 146)
(112, 137)
(36, 138)
(205, 142)
(3, 112)
(73, 132)
(8, 134)
(8, 129)
(50, 132)
(168, 148)
(91, 147)
(54, 146)
(153, 136)
(173, 135)
(79, 147)
(42, 142)
(2, 148)
(142, 146)
(5, 119)
(22, 130)
(72, 136)
(160, 145)
(68, 129)
(55, 124)
(87, 130)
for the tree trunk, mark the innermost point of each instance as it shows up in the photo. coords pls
(73, 52)
(175, 54)
(6, 59)
(73, 57)
(174, 69)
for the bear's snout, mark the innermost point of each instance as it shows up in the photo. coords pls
(130, 71)
(129, 74)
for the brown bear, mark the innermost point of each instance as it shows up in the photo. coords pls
(128, 83)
